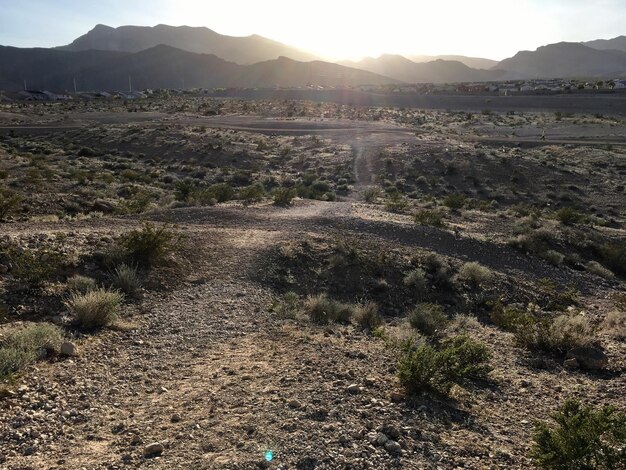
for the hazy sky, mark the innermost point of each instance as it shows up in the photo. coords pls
(334, 28)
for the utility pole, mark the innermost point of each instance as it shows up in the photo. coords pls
(130, 84)
(25, 88)
(75, 91)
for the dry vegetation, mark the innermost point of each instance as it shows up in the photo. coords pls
(344, 287)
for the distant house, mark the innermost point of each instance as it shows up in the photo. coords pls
(619, 85)
(34, 95)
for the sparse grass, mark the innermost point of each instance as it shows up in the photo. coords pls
(126, 279)
(475, 274)
(428, 319)
(430, 218)
(367, 317)
(396, 202)
(417, 280)
(322, 310)
(287, 306)
(614, 325)
(371, 194)
(33, 267)
(555, 335)
(455, 201)
(95, 309)
(428, 369)
(596, 268)
(569, 216)
(81, 284)
(583, 437)
(21, 347)
(150, 245)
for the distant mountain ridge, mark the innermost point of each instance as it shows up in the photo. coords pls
(241, 50)
(436, 71)
(165, 67)
(472, 62)
(618, 44)
(566, 60)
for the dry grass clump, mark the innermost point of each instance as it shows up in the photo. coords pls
(428, 318)
(322, 310)
(475, 274)
(557, 335)
(596, 268)
(95, 309)
(23, 346)
(614, 325)
(367, 317)
(126, 279)
(81, 284)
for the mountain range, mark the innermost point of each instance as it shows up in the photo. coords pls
(185, 57)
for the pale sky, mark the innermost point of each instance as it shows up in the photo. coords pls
(335, 29)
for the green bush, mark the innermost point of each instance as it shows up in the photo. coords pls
(252, 193)
(221, 192)
(283, 196)
(583, 438)
(614, 257)
(417, 280)
(396, 202)
(429, 217)
(10, 203)
(428, 319)
(150, 245)
(287, 306)
(555, 335)
(569, 216)
(22, 346)
(455, 201)
(33, 267)
(371, 194)
(458, 361)
(95, 309)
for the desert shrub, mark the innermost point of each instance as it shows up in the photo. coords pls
(455, 201)
(95, 309)
(582, 438)
(475, 274)
(10, 203)
(252, 193)
(81, 284)
(283, 196)
(554, 257)
(287, 306)
(429, 217)
(614, 324)
(149, 245)
(458, 361)
(614, 257)
(22, 346)
(371, 194)
(33, 267)
(596, 268)
(221, 192)
(396, 202)
(569, 216)
(437, 266)
(557, 335)
(183, 190)
(322, 310)
(126, 279)
(367, 317)
(417, 280)
(428, 318)
(510, 317)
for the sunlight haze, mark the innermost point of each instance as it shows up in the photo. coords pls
(332, 29)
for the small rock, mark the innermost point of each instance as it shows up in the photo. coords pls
(393, 447)
(353, 389)
(381, 439)
(295, 404)
(175, 418)
(396, 397)
(135, 439)
(155, 448)
(370, 381)
(4, 269)
(589, 357)
(69, 349)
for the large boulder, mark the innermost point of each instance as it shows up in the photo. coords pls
(589, 357)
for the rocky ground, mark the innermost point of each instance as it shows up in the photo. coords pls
(201, 373)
